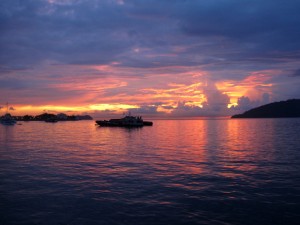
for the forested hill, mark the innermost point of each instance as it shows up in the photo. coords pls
(289, 108)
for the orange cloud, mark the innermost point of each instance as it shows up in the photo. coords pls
(252, 86)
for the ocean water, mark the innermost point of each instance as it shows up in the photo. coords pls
(218, 171)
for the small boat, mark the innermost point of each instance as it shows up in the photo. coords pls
(127, 121)
(7, 119)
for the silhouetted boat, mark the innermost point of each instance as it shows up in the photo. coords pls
(127, 121)
(7, 119)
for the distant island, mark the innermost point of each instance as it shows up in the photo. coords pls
(289, 108)
(52, 117)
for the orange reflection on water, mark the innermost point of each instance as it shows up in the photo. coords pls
(246, 146)
(196, 146)
(173, 150)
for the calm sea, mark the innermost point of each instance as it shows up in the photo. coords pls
(221, 171)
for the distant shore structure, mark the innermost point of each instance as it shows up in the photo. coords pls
(48, 117)
(283, 109)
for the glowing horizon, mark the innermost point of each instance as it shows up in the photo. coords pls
(196, 92)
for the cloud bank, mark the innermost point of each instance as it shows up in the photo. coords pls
(192, 57)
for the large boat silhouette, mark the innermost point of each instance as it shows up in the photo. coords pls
(127, 121)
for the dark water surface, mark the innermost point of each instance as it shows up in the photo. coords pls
(176, 172)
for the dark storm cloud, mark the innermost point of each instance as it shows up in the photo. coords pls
(12, 83)
(80, 32)
(100, 32)
(296, 73)
(244, 20)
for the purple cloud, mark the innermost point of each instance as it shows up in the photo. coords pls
(48, 48)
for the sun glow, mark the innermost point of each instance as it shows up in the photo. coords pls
(112, 107)
(35, 110)
(252, 86)
(104, 92)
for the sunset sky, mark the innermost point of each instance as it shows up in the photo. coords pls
(157, 58)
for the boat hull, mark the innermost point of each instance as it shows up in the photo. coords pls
(104, 123)
(7, 119)
(147, 123)
(127, 121)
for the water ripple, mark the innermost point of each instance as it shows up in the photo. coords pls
(176, 172)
